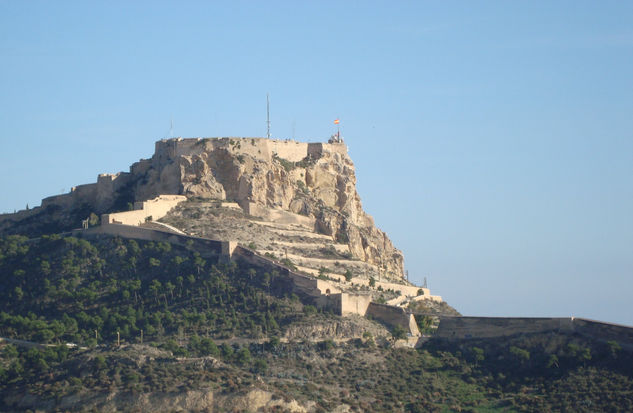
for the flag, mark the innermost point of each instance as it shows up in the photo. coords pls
(336, 121)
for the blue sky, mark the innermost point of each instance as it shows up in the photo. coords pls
(493, 141)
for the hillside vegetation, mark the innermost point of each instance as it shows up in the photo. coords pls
(197, 335)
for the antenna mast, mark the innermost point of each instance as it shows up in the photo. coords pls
(268, 116)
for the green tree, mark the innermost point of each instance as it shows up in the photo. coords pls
(243, 356)
(614, 348)
(521, 354)
(260, 366)
(18, 293)
(398, 333)
(348, 275)
(93, 219)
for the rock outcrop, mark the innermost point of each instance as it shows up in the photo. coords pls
(316, 180)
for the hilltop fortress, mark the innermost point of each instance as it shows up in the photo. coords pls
(285, 206)
(307, 184)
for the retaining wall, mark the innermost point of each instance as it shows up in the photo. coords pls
(155, 208)
(489, 327)
(480, 327)
(262, 148)
(604, 332)
(206, 247)
(393, 316)
(354, 304)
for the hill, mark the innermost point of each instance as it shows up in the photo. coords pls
(243, 275)
(230, 338)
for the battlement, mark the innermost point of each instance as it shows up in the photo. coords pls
(262, 148)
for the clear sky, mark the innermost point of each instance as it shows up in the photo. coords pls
(493, 141)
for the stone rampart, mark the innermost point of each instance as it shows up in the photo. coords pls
(205, 246)
(393, 316)
(484, 327)
(100, 195)
(153, 209)
(302, 284)
(406, 290)
(604, 332)
(292, 151)
(263, 148)
(354, 304)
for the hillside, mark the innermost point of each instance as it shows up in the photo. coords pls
(222, 337)
(242, 274)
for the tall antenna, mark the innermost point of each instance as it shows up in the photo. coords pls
(268, 116)
(171, 128)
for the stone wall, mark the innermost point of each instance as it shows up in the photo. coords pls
(604, 331)
(393, 316)
(302, 284)
(481, 327)
(155, 208)
(489, 327)
(206, 247)
(263, 148)
(354, 304)
(289, 150)
(406, 290)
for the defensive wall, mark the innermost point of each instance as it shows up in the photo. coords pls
(604, 332)
(326, 295)
(455, 327)
(485, 327)
(263, 148)
(206, 247)
(393, 316)
(153, 209)
(100, 196)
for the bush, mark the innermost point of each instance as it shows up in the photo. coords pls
(309, 309)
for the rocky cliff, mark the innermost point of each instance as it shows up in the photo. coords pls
(315, 180)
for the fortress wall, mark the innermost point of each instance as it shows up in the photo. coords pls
(481, 327)
(64, 200)
(326, 287)
(317, 149)
(255, 147)
(488, 327)
(85, 193)
(98, 195)
(258, 147)
(133, 218)
(155, 208)
(172, 148)
(604, 331)
(393, 316)
(301, 284)
(354, 304)
(141, 167)
(290, 150)
(19, 215)
(407, 290)
(207, 247)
